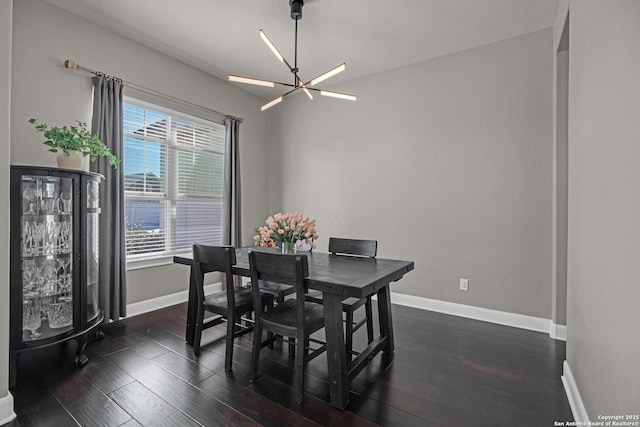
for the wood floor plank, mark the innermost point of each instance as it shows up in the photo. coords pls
(148, 409)
(131, 423)
(200, 406)
(109, 344)
(315, 409)
(105, 375)
(189, 371)
(386, 415)
(128, 360)
(86, 403)
(142, 345)
(36, 406)
(251, 404)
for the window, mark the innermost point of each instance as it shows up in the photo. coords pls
(174, 177)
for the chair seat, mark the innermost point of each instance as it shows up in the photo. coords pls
(218, 300)
(350, 304)
(284, 316)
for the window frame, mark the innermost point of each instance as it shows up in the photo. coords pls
(170, 196)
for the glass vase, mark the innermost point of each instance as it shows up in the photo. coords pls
(289, 248)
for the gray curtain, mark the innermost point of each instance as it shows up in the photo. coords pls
(232, 234)
(107, 123)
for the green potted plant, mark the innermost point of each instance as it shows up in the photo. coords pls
(75, 143)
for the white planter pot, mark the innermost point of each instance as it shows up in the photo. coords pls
(73, 160)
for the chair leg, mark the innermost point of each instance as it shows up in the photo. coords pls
(292, 347)
(255, 352)
(348, 345)
(268, 307)
(228, 355)
(198, 332)
(270, 338)
(369, 312)
(299, 376)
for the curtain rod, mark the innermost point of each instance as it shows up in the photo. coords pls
(75, 66)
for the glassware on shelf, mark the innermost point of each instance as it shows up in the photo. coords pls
(38, 238)
(55, 244)
(31, 196)
(50, 283)
(64, 274)
(50, 205)
(60, 313)
(27, 239)
(49, 228)
(66, 237)
(30, 279)
(49, 200)
(31, 317)
(65, 201)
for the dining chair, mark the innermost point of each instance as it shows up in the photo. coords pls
(229, 305)
(293, 318)
(352, 247)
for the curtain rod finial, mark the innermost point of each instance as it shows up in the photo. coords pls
(70, 64)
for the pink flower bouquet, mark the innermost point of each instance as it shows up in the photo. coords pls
(287, 228)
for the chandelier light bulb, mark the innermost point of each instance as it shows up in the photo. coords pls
(304, 88)
(251, 81)
(271, 104)
(273, 47)
(332, 72)
(338, 95)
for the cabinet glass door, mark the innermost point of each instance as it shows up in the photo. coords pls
(92, 248)
(46, 248)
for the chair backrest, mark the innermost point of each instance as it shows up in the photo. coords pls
(367, 248)
(273, 267)
(207, 259)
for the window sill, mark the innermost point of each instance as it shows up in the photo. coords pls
(149, 262)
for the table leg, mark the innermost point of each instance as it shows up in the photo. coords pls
(191, 309)
(336, 354)
(384, 314)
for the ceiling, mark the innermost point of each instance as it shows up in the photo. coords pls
(221, 36)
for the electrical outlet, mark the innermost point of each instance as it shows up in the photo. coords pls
(464, 284)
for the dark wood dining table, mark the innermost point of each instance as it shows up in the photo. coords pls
(338, 277)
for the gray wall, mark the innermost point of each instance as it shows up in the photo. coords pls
(5, 148)
(560, 188)
(446, 162)
(44, 36)
(603, 344)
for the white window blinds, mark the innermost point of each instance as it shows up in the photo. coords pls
(174, 176)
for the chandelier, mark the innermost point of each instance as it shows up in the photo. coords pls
(298, 83)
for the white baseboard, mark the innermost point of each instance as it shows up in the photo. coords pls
(146, 306)
(573, 395)
(6, 409)
(558, 332)
(487, 315)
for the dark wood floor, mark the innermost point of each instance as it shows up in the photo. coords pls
(446, 371)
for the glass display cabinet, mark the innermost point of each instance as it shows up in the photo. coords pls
(54, 260)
